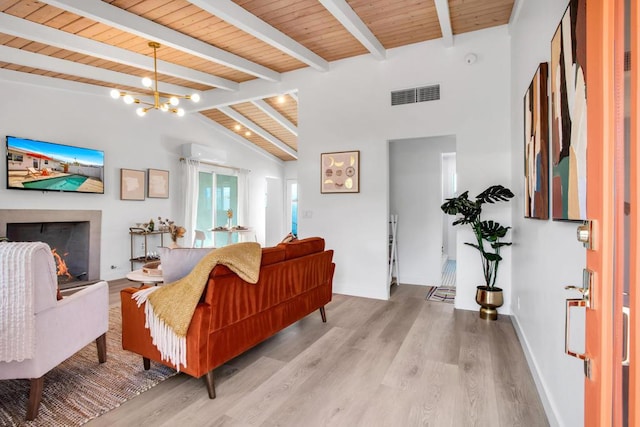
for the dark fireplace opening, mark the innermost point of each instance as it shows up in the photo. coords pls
(69, 243)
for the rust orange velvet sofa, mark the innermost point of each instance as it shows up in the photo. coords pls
(233, 315)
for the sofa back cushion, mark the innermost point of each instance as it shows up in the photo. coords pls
(302, 247)
(177, 263)
(269, 256)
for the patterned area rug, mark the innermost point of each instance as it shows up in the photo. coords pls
(442, 294)
(80, 388)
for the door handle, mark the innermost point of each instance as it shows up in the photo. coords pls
(570, 303)
(626, 312)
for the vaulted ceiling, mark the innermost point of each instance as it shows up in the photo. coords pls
(221, 48)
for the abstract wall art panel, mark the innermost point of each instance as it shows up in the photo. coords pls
(536, 146)
(340, 172)
(569, 115)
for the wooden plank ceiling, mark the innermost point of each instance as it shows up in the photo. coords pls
(214, 47)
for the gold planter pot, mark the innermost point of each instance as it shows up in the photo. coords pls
(489, 300)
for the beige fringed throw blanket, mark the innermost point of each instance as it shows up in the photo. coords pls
(169, 308)
(17, 318)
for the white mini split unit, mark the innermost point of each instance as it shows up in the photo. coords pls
(204, 153)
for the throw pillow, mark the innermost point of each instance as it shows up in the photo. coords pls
(178, 262)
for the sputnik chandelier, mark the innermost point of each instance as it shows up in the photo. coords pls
(161, 101)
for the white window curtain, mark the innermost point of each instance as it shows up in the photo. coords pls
(243, 197)
(189, 171)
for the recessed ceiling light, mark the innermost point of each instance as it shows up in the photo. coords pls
(247, 133)
(237, 127)
(281, 99)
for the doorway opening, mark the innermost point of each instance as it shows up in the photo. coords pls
(415, 194)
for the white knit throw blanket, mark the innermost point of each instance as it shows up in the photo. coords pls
(17, 317)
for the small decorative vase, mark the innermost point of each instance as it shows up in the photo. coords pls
(489, 300)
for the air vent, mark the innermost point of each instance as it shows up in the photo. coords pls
(416, 94)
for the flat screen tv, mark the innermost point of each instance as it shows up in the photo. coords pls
(45, 166)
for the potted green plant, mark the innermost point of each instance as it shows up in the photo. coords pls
(488, 236)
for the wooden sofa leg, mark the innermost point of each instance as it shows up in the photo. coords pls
(101, 344)
(211, 388)
(147, 363)
(35, 395)
(323, 314)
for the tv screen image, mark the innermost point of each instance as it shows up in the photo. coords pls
(46, 166)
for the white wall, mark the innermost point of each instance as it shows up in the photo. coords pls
(128, 142)
(416, 195)
(349, 109)
(546, 255)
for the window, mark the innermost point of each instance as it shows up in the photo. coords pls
(217, 194)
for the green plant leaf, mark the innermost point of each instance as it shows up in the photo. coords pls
(492, 257)
(495, 193)
(497, 245)
(474, 245)
(492, 230)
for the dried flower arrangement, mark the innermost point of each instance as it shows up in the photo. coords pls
(176, 231)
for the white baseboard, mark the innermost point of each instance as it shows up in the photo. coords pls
(549, 408)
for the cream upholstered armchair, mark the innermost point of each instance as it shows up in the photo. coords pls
(58, 328)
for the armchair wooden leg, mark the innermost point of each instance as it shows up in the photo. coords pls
(101, 343)
(147, 363)
(35, 395)
(211, 388)
(323, 314)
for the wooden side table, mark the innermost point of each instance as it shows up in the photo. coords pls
(139, 276)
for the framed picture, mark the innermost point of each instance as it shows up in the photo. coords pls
(131, 184)
(158, 184)
(340, 172)
(569, 115)
(536, 146)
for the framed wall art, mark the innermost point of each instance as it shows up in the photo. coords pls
(131, 184)
(536, 146)
(158, 184)
(569, 115)
(340, 172)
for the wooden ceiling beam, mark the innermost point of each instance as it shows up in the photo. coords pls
(248, 91)
(341, 10)
(233, 114)
(275, 115)
(49, 63)
(442, 7)
(237, 16)
(134, 24)
(42, 34)
(51, 82)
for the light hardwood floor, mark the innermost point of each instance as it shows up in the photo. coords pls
(402, 362)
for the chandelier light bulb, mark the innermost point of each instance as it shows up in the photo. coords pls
(164, 107)
(115, 93)
(195, 97)
(146, 82)
(141, 112)
(180, 112)
(174, 101)
(128, 99)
